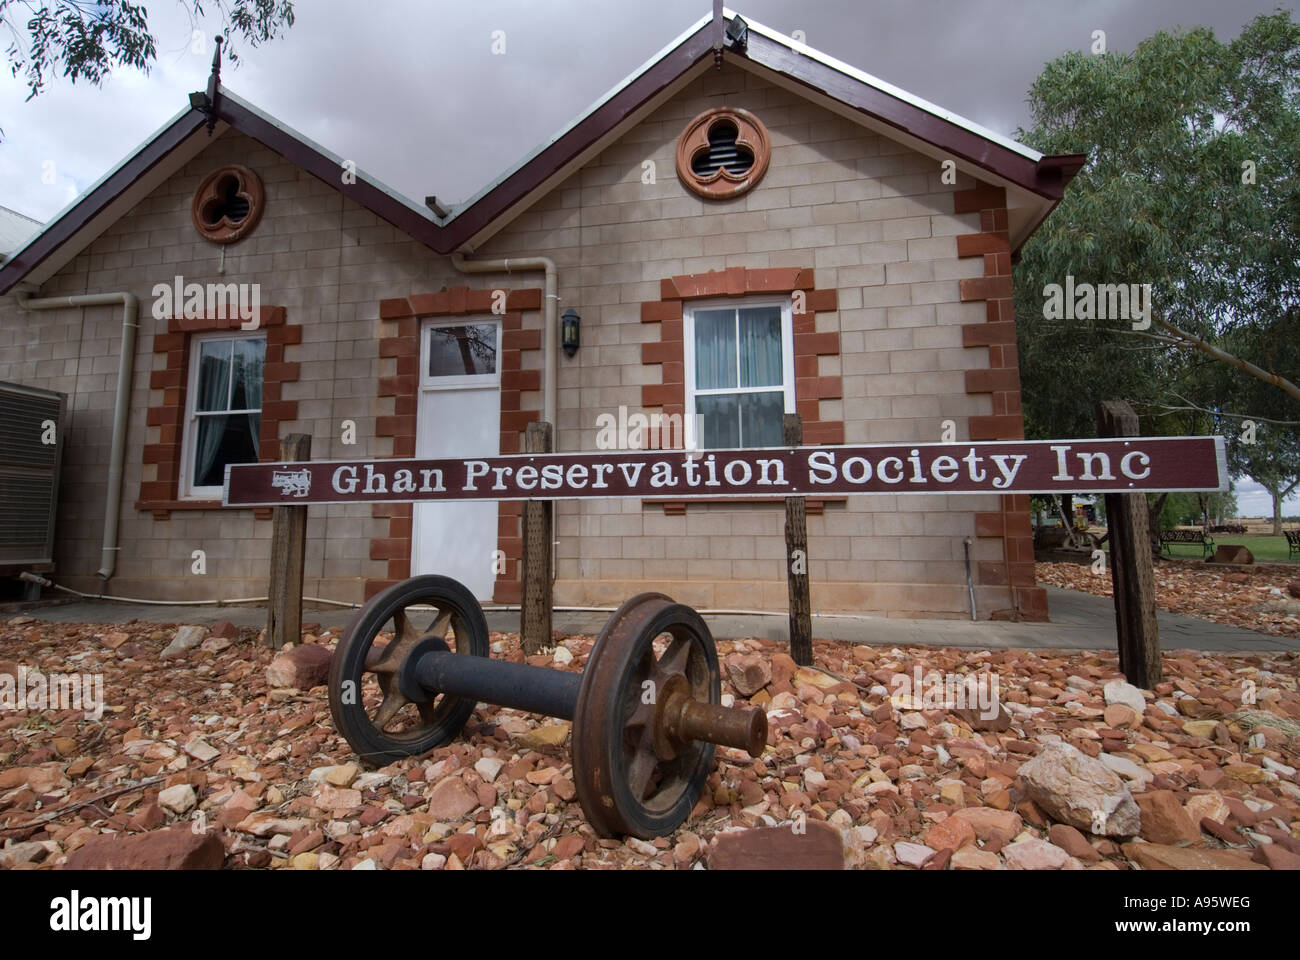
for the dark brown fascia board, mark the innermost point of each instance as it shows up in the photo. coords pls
(1043, 180)
(92, 204)
(473, 219)
(412, 222)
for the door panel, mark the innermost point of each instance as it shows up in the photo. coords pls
(459, 416)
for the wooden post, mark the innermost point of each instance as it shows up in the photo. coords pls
(288, 551)
(536, 599)
(1131, 568)
(796, 557)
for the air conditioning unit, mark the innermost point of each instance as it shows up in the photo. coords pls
(31, 450)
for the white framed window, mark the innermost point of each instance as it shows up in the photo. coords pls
(462, 353)
(223, 410)
(739, 360)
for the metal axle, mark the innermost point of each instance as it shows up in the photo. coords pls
(432, 669)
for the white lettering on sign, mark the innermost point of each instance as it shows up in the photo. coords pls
(1025, 466)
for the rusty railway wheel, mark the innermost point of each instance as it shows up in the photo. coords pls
(376, 718)
(630, 777)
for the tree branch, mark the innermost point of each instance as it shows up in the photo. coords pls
(1190, 341)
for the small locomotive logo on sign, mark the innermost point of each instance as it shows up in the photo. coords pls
(296, 483)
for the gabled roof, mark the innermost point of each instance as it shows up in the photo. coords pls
(1034, 183)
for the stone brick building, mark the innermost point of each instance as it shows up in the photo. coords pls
(848, 245)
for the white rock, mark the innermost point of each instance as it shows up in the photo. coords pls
(187, 638)
(814, 778)
(1275, 767)
(366, 864)
(432, 861)
(201, 750)
(912, 854)
(1126, 768)
(178, 799)
(488, 768)
(1165, 707)
(1119, 691)
(562, 655)
(912, 721)
(728, 700)
(370, 781)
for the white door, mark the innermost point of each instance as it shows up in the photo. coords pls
(459, 416)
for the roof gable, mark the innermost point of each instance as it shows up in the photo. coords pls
(1035, 183)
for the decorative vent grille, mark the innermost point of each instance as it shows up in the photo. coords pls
(723, 153)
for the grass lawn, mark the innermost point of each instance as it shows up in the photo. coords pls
(1267, 549)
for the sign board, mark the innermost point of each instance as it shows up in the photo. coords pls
(1021, 466)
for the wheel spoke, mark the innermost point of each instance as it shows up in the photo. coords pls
(674, 659)
(405, 637)
(393, 702)
(642, 767)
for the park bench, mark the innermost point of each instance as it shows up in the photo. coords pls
(1292, 542)
(1170, 537)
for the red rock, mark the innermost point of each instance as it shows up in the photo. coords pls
(950, 833)
(939, 861)
(986, 822)
(224, 629)
(1221, 830)
(463, 844)
(1072, 842)
(1158, 856)
(176, 848)
(451, 799)
(305, 666)
(568, 847)
(779, 848)
(1276, 857)
(1231, 553)
(749, 674)
(1293, 588)
(1164, 820)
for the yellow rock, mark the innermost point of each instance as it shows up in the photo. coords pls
(548, 735)
(1200, 728)
(274, 795)
(953, 793)
(65, 745)
(761, 698)
(814, 678)
(1150, 752)
(342, 775)
(305, 861)
(1245, 772)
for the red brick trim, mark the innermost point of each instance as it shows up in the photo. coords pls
(404, 346)
(1002, 380)
(810, 387)
(161, 495)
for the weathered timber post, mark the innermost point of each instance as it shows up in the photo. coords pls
(796, 557)
(288, 551)
(1131, 570)
(536, 599)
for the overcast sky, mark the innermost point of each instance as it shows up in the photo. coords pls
(414, 94)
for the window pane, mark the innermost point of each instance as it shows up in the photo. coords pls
(761, 416)
(715, 349)
(246, 390)
(760, 347)
(214, 375)
(458, 351)
(721, 420)
(222, 439)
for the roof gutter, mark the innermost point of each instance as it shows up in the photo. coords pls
(121, 406)
(549, 324)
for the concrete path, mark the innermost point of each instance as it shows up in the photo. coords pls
(1080, 621)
